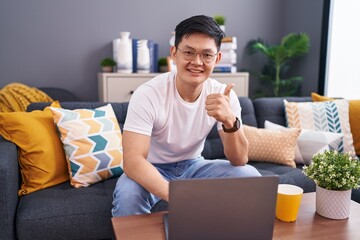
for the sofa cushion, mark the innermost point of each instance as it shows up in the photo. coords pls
(332, 116)
(41, 155)
(277, 146)
(287, 174)
(64, 212)
(247, 112)
(92, 143)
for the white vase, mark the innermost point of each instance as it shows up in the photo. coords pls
(124, 54)
(333, 204)
(143, 57)
(172, 39)
(222, 27)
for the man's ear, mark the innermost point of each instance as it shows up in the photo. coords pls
(218, 57)
(173, 52)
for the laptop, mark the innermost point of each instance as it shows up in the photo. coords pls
(226, 208)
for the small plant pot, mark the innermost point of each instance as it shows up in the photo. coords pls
(107, 69)
(163, 69)
(222, 27)
(333, 204)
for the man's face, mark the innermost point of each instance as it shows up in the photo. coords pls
(195, 71)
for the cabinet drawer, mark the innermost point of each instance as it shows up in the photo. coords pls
(116, 87)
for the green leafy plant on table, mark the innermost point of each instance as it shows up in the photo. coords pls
(220, 19)
(279, 58)
(334, 171)
(162, 64)
(107, 64)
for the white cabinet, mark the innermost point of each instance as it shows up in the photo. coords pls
(118, 87)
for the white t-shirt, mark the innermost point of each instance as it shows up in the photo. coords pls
(178, 129)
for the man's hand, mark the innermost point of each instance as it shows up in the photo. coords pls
(218, 106)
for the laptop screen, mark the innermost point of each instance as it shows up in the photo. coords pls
(226, 208)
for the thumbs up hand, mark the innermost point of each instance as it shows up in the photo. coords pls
(218, 106)
(228, 89)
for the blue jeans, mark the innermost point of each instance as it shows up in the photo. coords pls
(130, 198)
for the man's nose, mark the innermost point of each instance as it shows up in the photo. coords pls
(197, 58)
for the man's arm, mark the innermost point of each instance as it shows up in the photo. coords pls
(235, 146)
(235, 143)
(138, 168)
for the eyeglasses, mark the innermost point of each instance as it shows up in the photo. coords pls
(206, 57)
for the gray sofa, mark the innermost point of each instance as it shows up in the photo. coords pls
(64, 212)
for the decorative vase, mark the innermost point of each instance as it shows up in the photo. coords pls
(172, 39)
(333, 204)
(124, 54)
(143, 57)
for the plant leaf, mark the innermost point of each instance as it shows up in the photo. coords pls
(296, 45)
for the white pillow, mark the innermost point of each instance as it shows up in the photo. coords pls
(311, 142)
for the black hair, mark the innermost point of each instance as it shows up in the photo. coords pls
(199, 24)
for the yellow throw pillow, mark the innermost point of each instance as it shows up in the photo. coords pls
(41, 154)
(276, 146)
(354, 118)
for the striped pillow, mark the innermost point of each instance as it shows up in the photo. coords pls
(92, 143)
(330, 116)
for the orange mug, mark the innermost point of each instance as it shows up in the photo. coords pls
(288, 202)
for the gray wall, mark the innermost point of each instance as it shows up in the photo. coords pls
(60, 43)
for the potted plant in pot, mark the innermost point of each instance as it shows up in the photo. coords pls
(279, 58)
(107, 64)
(163, 64)
(220, 19)
(335, 175)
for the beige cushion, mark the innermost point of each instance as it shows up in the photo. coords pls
(276, 146)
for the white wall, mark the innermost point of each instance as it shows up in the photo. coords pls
(343, 64)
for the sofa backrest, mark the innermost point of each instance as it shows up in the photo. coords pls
(60, 94)
(213, 148)
(254, 113)
(273, 110)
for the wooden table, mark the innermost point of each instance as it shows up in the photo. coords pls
(308, 225)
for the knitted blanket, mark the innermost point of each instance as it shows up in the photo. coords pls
(16, 97)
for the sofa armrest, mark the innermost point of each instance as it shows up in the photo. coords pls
(9, 186)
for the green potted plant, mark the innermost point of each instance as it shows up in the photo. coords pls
(107, 64)
(163, 64)
(220, 19)
(279, 58)
(335, 175)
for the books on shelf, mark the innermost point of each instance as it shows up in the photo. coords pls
(225, 68)
(154, 55)
(229, 39)
(228, 59)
